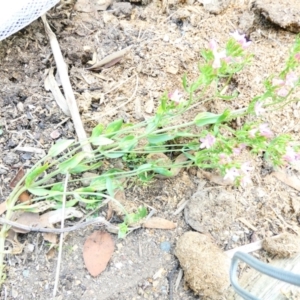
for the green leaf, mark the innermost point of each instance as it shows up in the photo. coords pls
(34, 174)
(97, 130)
(72, 162)
(69, 203)
(83, 168)
(224, 97)
(98, 184)
(43, 192)
(114, 154)
(101, 141)
(144, 168)
(110, 186)
(136, 217)
(58, 187)
(184, 83)
(206, 118)
(113, 127)
(128, 143)
(59, 147)
(163, 171)
(159, 138)
(123, 229)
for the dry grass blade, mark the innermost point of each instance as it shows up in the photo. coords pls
(110, 60)
(64, 77)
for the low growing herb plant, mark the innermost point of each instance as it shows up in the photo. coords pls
(209, 141)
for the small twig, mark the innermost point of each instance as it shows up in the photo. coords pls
(61, 240)
(100, 220)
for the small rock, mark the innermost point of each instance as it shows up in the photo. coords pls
(121, 8)
(284, 13)
(55, 134)
(165, 246)
(11, 158)
(25, 273)
(87, 177)
(215, 6)
(14, 293)
(20, 107)
(234, 238)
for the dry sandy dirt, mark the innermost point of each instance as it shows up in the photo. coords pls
(166, 39)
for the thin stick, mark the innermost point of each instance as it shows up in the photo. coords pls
(78, 226)
(65, 80)
(61, 240)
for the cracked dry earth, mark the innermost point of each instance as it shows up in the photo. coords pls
(165, 39)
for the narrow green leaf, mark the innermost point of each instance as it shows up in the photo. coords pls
(69, 203)
(98, 184)
(206, 118)
(59, 147)
(101, 141)
(159, 138)
(163, 171)
(123, 229)
(34, 174)
(43, 192)
(110, 186)
(114, 154)
(113, 127)
(128, 143)
(83, 168)
(71, 162)
(97, 130)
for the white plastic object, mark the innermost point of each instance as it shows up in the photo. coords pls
(16, 14)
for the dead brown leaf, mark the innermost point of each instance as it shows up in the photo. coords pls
(291, 181)
(97, 251)
(24, 197)
(28, 219)
(50, 237)
(3, 208)
(217, 179)
(159, 223)
(20, 174)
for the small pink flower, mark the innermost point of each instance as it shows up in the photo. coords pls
(252, 132)
(246, 168)
(207, 142)
(290, 79)
(245, 181)
(277, 82)
(217, 55)
(224, 159)
(231, 174)
(175, 96)
(290, 155)
(236, 151)
(258, 108)
(241, 39)
(217, 61)
(265, 131)
(282, 92)
(297, 56)
(213, 45)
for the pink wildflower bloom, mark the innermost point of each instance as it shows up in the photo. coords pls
(265, 130)
(282, 92)
(252, 132)
(241, 39)
(217, 55)
(258, 108)
(290, 79)
(231, 174)
(297, 56)
(245, 181)
(246, 168)
(277, 82)
(236, 151)
(224, 159)
(213, 45)
(290, 155)
(207, 142)
(217, 61)
(175, 96)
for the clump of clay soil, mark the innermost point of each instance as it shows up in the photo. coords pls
(285, 245)
(205, 266)
(210, 210)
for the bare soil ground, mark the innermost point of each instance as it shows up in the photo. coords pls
(166, 43)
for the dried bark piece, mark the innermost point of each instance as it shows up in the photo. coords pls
(159, 223)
